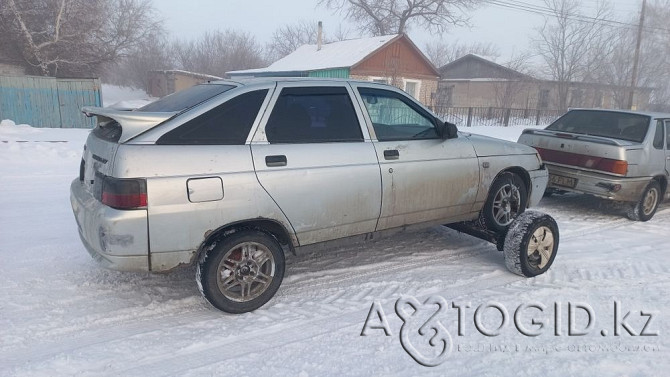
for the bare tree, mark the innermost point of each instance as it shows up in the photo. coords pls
(75, 37)
(215, 53)
(288, 38)
(567, 41)
(153, 54)
(383, 17)
(614, 68)
(514, 81)
(654, 63)
(440, 52)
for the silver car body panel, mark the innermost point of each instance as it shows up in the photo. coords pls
(500, 155)
(179, 225)
(326, 191)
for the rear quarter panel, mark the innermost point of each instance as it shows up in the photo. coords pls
(177, 226)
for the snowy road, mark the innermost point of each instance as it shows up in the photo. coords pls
(61, 314)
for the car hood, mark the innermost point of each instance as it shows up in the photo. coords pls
(489, 146)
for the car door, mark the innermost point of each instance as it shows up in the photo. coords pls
(667, 150)
(314, 158)
(424, 178)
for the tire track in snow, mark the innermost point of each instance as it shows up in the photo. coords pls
(472, 251)
(319, 311)
(497, 285)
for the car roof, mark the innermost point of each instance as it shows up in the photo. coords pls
(269, 80)
(647, 113)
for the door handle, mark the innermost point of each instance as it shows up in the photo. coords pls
(391, 154)
(278, 160)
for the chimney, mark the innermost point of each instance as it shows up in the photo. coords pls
(319, 36)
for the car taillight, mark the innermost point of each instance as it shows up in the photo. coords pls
(613, 166)
(124, 193)
(590, 162)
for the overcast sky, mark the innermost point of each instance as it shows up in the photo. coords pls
(509, 29)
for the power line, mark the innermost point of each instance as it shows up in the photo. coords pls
(520, 5)
(545, 11)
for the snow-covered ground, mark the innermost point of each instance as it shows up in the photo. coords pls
(62, 314)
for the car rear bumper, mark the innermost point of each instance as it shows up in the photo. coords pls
(117, 239)
(600, 185)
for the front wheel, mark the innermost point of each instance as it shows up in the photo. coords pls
(645, 208)
(242, 272)
(531, 244)
(507, 199)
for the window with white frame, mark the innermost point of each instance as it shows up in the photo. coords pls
(412, 87)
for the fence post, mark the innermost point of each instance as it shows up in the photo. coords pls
(537, 118)
(508, 112)
(469, 116)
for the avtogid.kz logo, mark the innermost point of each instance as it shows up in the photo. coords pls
(424, 336)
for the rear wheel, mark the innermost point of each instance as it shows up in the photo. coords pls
(507, 199)
(242, 272)
(645, 208)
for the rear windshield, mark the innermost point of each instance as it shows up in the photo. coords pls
(623, 126)
(187, 98)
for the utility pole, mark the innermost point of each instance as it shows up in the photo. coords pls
(636, 61)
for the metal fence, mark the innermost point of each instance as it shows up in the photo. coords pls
(48, 101)
(496, 116)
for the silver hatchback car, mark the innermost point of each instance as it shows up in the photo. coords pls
(228, 175)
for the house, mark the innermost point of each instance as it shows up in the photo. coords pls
(162, 83)
(392, 59)
(473, 81)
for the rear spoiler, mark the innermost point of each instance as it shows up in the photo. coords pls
(132, 123)
(568, 135)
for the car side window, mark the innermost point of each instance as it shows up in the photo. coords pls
(659, 135)
(313, 115)
(667, 134)
(226, 124)
(395, 117)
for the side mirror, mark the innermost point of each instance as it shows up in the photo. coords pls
(447, 130)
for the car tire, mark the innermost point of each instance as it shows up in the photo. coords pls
(531, 244)
(645, 208)
(507, 199)
(241, 272)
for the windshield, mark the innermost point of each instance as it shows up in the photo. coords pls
(187, 98)
(623, 126)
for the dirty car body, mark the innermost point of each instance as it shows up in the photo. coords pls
(609, 154)
(303, 161)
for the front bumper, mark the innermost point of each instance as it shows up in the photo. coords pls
(538, 183)
(600, 185)
(117, 239)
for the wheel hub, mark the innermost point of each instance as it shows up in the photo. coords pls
(505, 204)
(649, 202)
(245, 271)
(541, 247)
